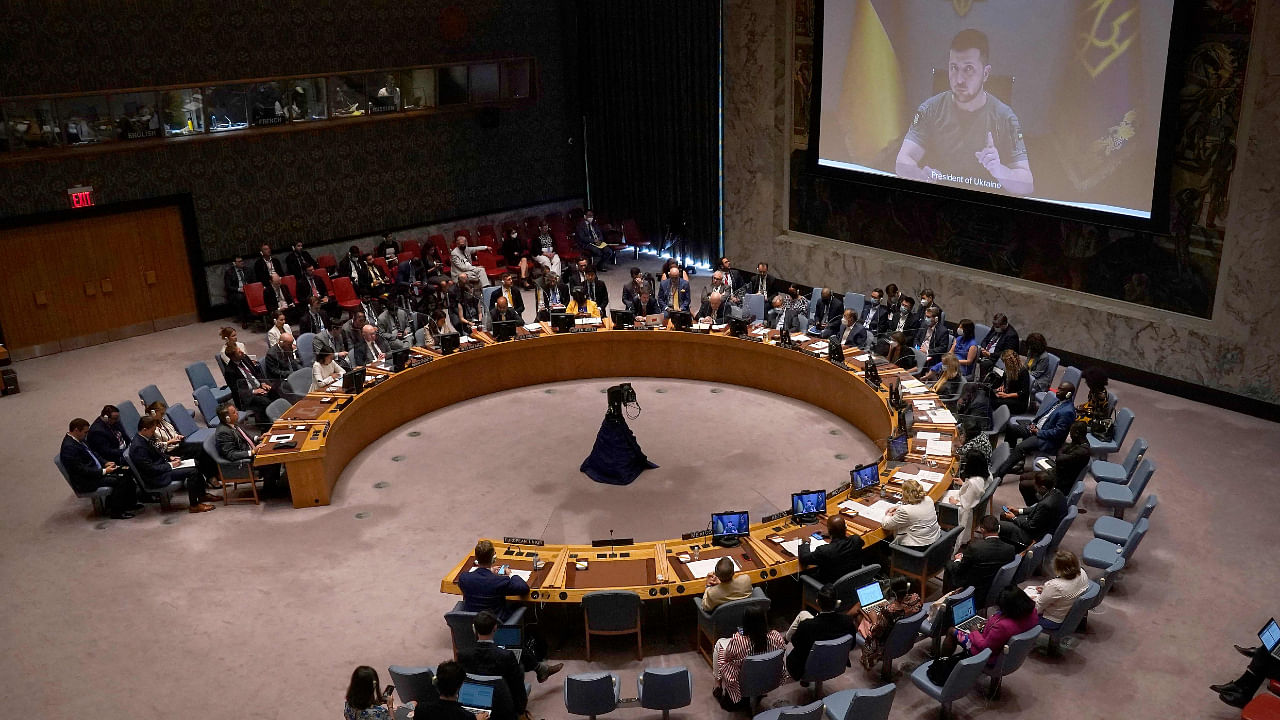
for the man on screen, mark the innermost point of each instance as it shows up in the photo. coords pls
(966, 136)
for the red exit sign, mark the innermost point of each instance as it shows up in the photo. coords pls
(81, 197)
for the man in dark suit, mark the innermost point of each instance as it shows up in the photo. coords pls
(354, 268)
(902, 318)
(933, 338)
(1046, 432)
(782, 318)
(234, 278)
(715, 309)
(1022, 527)
(826, 312)
(839, 557)
(265, 265)
(848, 332)
(88, 472)
(106, 436)
(501, 312)
(488, 658)
(591, 239)
(979, 561)
(316, 319)
(828, 624)
(396, 327)
(631, 290)
(673, 292)
(732, 277)
(299, 262)
(875, 316)
(548, 295)
(249, 387)
(484, 589)
(926, 302)
(761, 283)
(276, 296)
(507, 289)
(282, 360)
(596, 291)
(1071, 460)
(644, 304)
(310, 286)
(1001, 337)
(235, 444)
(371, 347)
(576, 274)
(158, 470)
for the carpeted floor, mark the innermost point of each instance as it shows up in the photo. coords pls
(262, 612)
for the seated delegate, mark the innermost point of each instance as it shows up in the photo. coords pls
(1044, 434)
(484, 589)
(488, 658)
(977, 564)
(840, 556)
(88, 472)
(753, 638)
(1015, 613)
(903, 602)
(914, 521)
(364, 697)
(723, 586)
(1022, 527)
(448, 683)
(1055, 598)
(829, 624)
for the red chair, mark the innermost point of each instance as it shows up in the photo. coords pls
(322, 278)
(254, 299)
(574, 216)
(464, 232)
(386, 270)
(485, 230)
(412, 247)
(290, 282)
(329, 263)
(343, 293)
(442, 249)
(492, 264)
(557, 223)
(404, 257)
(508, 226)
(631, 232)
(1262, 707)
(565, 248)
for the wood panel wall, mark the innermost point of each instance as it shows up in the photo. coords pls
(82, 282)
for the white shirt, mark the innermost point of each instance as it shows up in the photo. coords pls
(1059, 594)
(273, 335)
(914, 525)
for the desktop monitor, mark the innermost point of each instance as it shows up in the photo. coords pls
(505, 329)
(737, 327)
(449, 343)
(898, 446)
(680, 320)
(353, 382)
(871, 373)
(864, 477)
(399, 360)
(623, 318)
(807, 504)
(561, 322)
(727, 527)
(835, 351)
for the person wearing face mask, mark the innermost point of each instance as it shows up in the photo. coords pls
(932, 337)
(828, 311)
(1001, 337)
(891, 296)
(926, 301)
(902, 317)
(592, 241)
(516, 252)
(1045, 434)
(875, 316)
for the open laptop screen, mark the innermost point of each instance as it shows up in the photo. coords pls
(962, 611)
(1270, 635)
(870, 594)
(475, 695)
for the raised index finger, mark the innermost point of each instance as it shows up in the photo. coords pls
(991, 142)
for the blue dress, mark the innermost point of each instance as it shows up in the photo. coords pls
(962, 351)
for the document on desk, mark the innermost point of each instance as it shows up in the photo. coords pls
(799, 337)
(466, 339)
(793, 546)
(533, 327)
(943, 416)
(929, 436)
(522, 574)
(874, 512)
(937, 447)
(915, 389)
(760, 331)
(719, 327)
(923, 404)
(819, 346)
(588, 321)
(286, 437)
(861, 358)
(703, 568)
(190, 462)
(929, 476)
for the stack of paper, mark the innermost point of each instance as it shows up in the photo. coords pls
(943, 416)
(929, 436)
(819, 346)
(875, 512)
(793, 546)
(861, 358)
(923, 404)
(799, 337)
(533, 327)
(929, 476)
(703, 568)
(760, 331)
(915, 390)
(937, 447)
(466, 339)
(720, 326)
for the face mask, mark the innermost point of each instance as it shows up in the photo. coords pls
(924, 303)
(906, 308)
(933, 321)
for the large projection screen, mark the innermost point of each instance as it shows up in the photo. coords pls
(1056, 101)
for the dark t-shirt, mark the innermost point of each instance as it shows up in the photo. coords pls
(950, 137)
(442, 710)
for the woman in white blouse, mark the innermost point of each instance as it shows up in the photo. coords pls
(229, 337)
(977, 475)
(1055, 598)
(279, 328)
(914, 521)
(325, 372)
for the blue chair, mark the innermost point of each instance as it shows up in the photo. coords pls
(278, 407)
(222, 364)
(165, 493)
(959, 682)
(1002, 580)
(232, 474)
(97, 496)
(943, 621)
(1099, 553)
(812, 711)
(827, 660)
(760, 674)
(199, 376)
(754, 304)
(902, 637)
(192, 434)
(1122, 497)
(814, 296)
(1015, 653)
(1061, 531)
(846, 587)
(207, 406)
(1077, 492)
(999, 421)
(1116, 530)
(150, 394)
(413, 683)
(854, 300)
(1072, 621)
(591, 694)
(306, 350)
(1102, 448)
(486, 294)
(1070, 375)
(612, 612)
(665, 689)
(1030, 415)
(920, 565)
(1105, 471)
(297, 385)
(1032, 559)
(861, 703)
(724, 620)
(1106, 582)
(463, 632)
(129, 418)
(1051, 368)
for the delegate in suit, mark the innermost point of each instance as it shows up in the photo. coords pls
(1046, 432)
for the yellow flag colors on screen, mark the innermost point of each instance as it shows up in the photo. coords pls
(871, 99)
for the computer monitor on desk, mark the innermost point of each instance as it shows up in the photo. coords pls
(399, 360)
(680, 320)
(505, 329)
(727, 527)
(561, 322)
(448, 343)
(353, 382)
(623, 318)
(807, 504)
(865, 477)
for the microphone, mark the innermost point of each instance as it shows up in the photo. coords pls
(612, 552)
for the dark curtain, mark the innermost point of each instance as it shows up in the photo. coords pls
(650, 91)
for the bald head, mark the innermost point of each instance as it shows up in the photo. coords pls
(715, 299)
(835, 527)
(368, 332)
(286, 341)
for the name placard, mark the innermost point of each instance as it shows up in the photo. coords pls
(776, 516)
(523, 541)
(695, 534)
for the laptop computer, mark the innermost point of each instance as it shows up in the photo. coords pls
(508, 637)
(1270, 637)
(871, 597)
(966, 616)
(475, 697)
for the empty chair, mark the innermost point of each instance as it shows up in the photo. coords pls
(1061, 531)
(1072, 621)
(97, 496)
(1106, 581)
(1077, 492)
(253, 298)
(959, 682)
(1032, 559)
(998, 457)
(1002, 580)
(1070, 375)
(306, 351)
(999, 421)
(207, 405)
(413, 684)
(1115, 530)
(486, 294)
(233, 474)
(812, 711)
(191, 433)
(980, 331)
(1122, 473)
(862, 703)
(1102, 448)
(665, 689)
(128, 418)
(1015, 653)
(902, 637)
(855, 301)
(198, 375)
(1099, 553)
(591, 694)
(754, 303)
(1052, 367)
(922, 564)
(278, 407)
(846, 587)
(724, 620)
(827, 660)
(612, 612)
(344, 293)
(1122, 497)
(760, 674)
(297, 385)
(943, 620)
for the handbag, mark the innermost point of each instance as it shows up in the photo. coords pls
(940, 669)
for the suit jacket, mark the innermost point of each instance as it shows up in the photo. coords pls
(311, 324)
(718, 316)
(105, 440)
(231, 283)
(517, 300)
(261, 271)
(978, 565)
(362, 280)
(759, 284)
(483, 589)
(304, 282)
(823, 626)
(360, 351)
(273, 301)
(828, 312)
(1053, 421)
(1008, 340)
(77, 460)
(1042, 518)
(387, 325)
(1071, 459)
(601, 293)
(738, 588)
(542, 295)
(908, 330)
(939, 343)
(299, 263)
(496, 315)
(833, 560)
(630, 292)
(487, 658)
(231, 446)
(879, 317)
(796, 322)
(855, 339)
(665, 295)
(642, 309)
(280, 363)
(238, 380)
(152, 465)
(589, 233)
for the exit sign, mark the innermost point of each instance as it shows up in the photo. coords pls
(81, 197)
